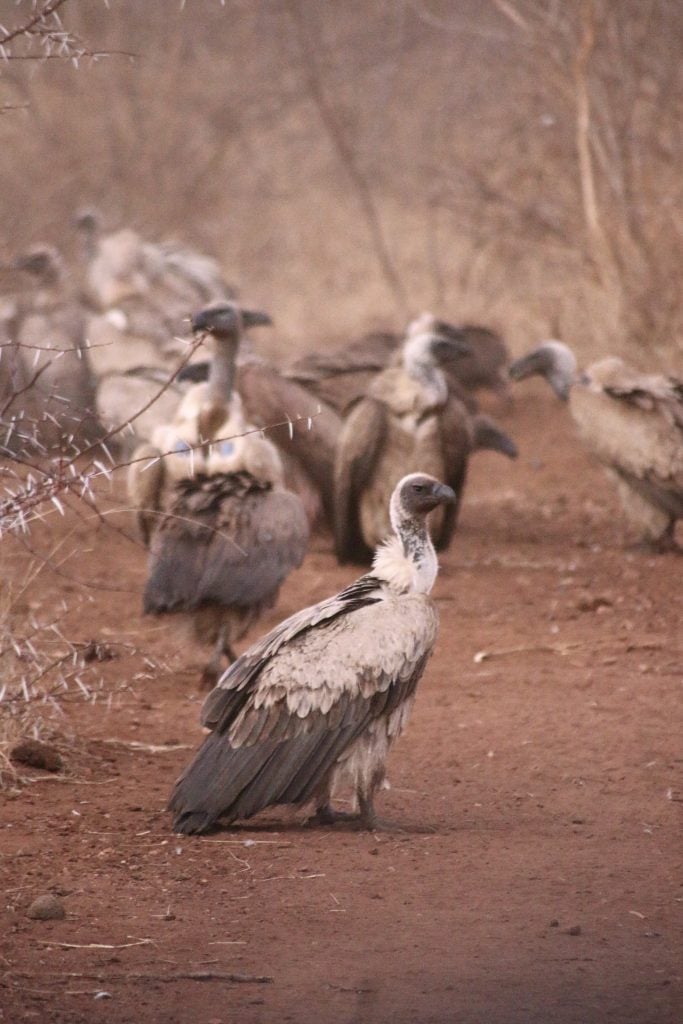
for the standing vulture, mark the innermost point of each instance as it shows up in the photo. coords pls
(51, 335)
(320, 699)
(224, 532)
(406, 421)
(633, 424)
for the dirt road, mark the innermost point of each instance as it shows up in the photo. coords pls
(538, 876)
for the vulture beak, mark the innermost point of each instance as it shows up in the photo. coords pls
(443, 494)
(195, 373)
(254, 318)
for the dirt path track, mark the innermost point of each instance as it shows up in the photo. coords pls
(538, 879)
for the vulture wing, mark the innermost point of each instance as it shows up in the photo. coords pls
(362, 437)
(227, 539)
(289, 708)
(663, 394)
(340, 377)
(270, 398)
(146, 479)
(456, 441)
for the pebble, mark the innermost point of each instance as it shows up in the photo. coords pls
(46, 908)
(574, 930)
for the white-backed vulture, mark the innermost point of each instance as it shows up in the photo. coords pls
(406, 421)
(320, 699)
(224, 530)
(632, 423)
(342, 375)
(51, 335)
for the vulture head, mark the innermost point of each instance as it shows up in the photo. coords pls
(488, 436)
(42, 262)
(227, 320)
(430, 350)
(415, 496)
(553, 360)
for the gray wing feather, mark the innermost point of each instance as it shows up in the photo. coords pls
(362, 437)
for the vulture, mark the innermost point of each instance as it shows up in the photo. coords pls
(341, 376)
(170, 279)
(51, 334)
(222, 529)
(320, 699)
(406, 421)
(632, 423)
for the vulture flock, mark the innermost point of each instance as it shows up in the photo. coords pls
(234, 460)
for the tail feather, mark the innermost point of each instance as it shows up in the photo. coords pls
(237, 782)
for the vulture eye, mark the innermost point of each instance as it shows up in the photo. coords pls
(418, 488)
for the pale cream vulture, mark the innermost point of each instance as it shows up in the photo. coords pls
(320, 699)
(223, 530)
(633, 423)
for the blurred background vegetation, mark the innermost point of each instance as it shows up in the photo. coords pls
(513, 162)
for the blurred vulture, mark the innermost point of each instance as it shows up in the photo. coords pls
(341, 376)
(306, 436)
(171, 279)
(319, 700)
(406, 421)
(633, 423)
(51, 336)
(223, 531)
(19, 410)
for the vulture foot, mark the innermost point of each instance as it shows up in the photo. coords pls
(326, 815)
(666, 544)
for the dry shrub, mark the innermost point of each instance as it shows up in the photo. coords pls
(349, 163)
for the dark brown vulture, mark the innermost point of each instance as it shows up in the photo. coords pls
(320, 699)
(342, 375)
(632, 423)
(224, 532)
(407, 421)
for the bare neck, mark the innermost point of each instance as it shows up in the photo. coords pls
(419, 364)
(407, 562)
(222, 373)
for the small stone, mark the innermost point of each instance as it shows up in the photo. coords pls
(574, 930)
(554, 923)
(169, 916)
(46, 908)
(36, 755)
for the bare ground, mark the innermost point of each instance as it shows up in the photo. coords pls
(537, 877)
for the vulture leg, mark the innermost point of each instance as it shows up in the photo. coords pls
(666, 543)
(213, 669)
(367, 818)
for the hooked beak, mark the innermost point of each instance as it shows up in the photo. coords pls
(254, 318)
